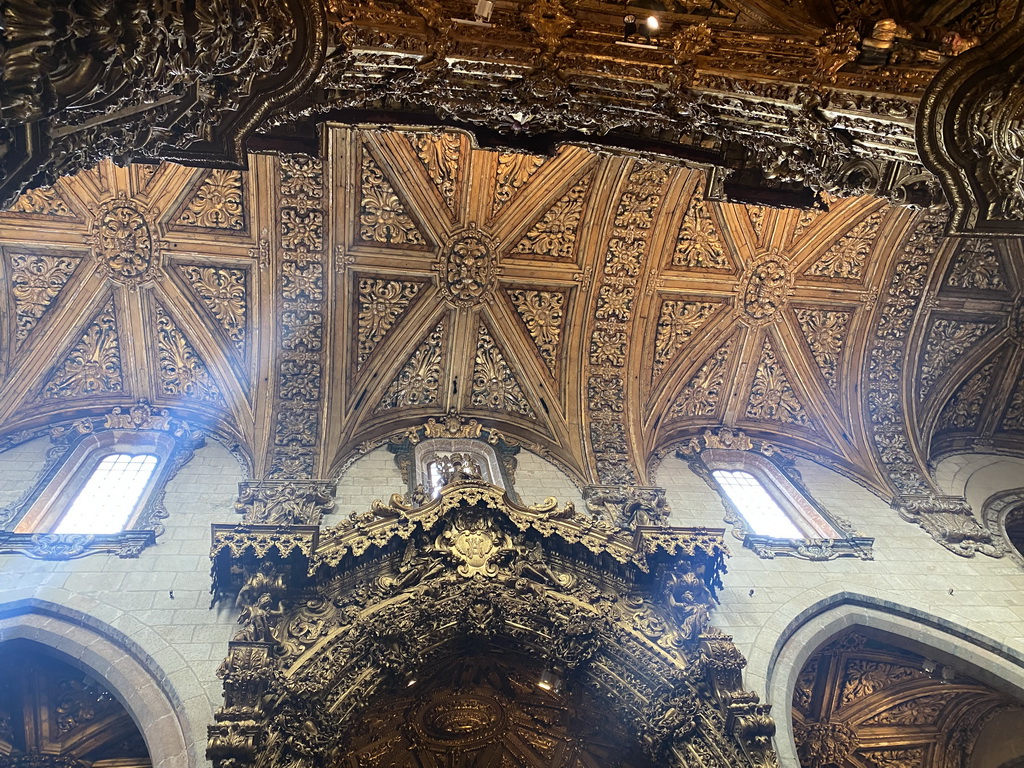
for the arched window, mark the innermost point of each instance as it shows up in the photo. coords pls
(110, 496)
(436, 459)
(101, 487)
(771, 514)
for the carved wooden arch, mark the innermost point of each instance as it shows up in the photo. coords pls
(335, 623)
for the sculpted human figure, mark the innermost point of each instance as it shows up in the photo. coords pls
(689, 600)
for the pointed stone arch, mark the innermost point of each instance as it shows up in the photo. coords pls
(103, 652)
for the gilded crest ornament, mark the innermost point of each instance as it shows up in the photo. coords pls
(765, 289)
(468, 266)
(123, 242)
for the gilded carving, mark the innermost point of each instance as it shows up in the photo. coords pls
(223, 292)
(701, 394)
(513, 171)
(35, 282)
(699, 244)
(122, 242)
(947, 342)
(771, 395)
(678, 321)
(418, 381)
(825, 332)
(43, 201)
(381, 303)
(494, 384)
(285, 502)
(468, 266)
(976, 266)
(440, 154)
(182, 372)
(895, 758)
(846, 258)
(1014, 418)
(554, 236)
(826, 743)
(93, 366)
(862, 678)
(765, 288)
(964, 408)
(217, 203)
(382, 217)
(542, 312)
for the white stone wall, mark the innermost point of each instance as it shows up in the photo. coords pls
(161, 600)
(19, 468)
(538, 478)
(372, 477)
(764, 600)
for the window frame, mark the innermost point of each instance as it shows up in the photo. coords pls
(825, 537)
(77, 447)
(483, 453)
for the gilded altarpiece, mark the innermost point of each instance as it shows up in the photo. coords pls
(473, 629)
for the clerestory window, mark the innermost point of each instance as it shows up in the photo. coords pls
(761, 512)
(110, 496)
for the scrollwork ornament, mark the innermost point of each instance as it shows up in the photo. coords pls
(123, 242)
(467, 265)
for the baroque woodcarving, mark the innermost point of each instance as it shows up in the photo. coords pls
(372, 622)
(862, 701)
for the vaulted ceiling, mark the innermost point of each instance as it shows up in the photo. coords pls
(596, 307)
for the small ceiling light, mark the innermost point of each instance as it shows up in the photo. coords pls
(549, 681)
(652, 24)
(484, 8)
(410, 680)
(928, 666)
(948, 674)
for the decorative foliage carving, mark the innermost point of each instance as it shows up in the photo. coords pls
(122, 242)
(301, 319)
(468, 266)
(223, 292)
(823, 744)
(43, 201)
(400, 589)
(93, 366)
(182, 371)
(678, 321)
(825, 333)
(382, 217)
(771, 395)
(542, 313)
(440, 154)
(976, 266)
(699, 244)
(381, 303)
(947, 342)
(701, 394)
(418, 381)
(964, 408)
(494, 384)
(765, 289)
(554, 236)
(218, 203)
(35, 282)
(513, 171)
(845, 259)
(627, 506)
(1014, 418)
(285, 502)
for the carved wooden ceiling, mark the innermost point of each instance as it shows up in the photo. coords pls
(597, 307)
(860, 702)
(52, 714)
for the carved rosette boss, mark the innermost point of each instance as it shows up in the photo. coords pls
(124, 243)
(468, 266)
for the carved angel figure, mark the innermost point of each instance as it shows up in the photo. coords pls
(690, 601)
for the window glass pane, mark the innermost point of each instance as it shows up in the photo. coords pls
(109, 497)
(764, 516)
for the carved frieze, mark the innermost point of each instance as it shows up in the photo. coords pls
(182, 371)
(845, 259)
(825, 331)
(977, 267)
(285, 502)
(382, 216)
(699, 245)
(677, 322)
(514, 169)
(948, 340)
(440, 154)
(700, 395)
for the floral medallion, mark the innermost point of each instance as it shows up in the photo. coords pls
(468, 266)
(764, 289)
(122, 242)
